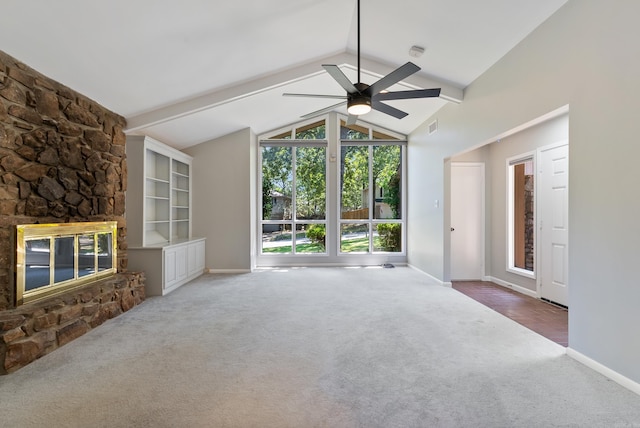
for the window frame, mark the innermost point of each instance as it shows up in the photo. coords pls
(331, 257)
(371, 221)
(294, 221)
(510, 214)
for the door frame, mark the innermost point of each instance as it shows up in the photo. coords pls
(483, 218)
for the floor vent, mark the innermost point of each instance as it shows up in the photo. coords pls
(433, 127)
(551, 302)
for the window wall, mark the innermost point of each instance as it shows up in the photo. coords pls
(331, 194)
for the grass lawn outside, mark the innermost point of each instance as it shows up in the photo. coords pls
(358, 245)
(300, 249)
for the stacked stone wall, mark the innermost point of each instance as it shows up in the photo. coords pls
(529, 232)
(62, 159)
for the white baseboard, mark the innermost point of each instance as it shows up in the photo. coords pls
(631, 385)
(229, 270)
(514, 287)
(431, 277)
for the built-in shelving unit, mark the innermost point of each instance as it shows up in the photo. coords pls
(180, 199)
(159, 215)
(159, 191)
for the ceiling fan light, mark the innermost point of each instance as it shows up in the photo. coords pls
(359, 106)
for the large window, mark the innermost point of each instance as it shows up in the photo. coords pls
(521, 221)
(331, 193)
(294, 191)
(370, 191)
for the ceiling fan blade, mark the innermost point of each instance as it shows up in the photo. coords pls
(385, 108)
(392, 78)
(339, 76)
(324, 110)
(352, 119)
(405, 95)
(338, 97)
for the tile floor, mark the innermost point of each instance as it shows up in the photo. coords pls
(544, 318)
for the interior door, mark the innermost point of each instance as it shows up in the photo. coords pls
(553, 216)
(467, 221)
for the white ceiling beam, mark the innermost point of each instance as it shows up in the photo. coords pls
(203, 102)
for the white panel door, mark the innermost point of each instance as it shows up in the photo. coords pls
(553, 216)
(467, 221)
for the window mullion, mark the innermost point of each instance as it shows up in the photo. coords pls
(372, 198)
(294, 202)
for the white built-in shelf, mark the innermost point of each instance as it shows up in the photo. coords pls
(159, 216)
(158, 193)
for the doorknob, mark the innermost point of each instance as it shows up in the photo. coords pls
(452, 229)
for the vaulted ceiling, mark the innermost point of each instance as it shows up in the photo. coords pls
(190, 71)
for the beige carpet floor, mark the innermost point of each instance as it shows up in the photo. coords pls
(313, 347)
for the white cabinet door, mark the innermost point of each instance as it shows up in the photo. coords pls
(181, 262)
(200, 251)
(175, 266)
(192, 259)
(195, 258)
(170, 271)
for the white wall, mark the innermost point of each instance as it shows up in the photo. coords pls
(587, 56)
(224, 199)
(495, 156)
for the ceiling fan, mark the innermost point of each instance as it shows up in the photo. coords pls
(361, 98)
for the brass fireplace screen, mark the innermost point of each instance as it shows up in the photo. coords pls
(52, 258)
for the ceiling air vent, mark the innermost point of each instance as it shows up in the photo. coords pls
(433, 127)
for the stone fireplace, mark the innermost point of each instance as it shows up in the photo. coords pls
(62, 163)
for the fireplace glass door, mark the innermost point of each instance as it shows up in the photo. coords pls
(55, 257)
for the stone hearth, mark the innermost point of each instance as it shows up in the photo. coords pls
(33, 330)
